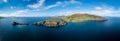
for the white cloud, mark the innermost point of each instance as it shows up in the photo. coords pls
(5, 1)
(20, 12)
(16, 13)
(23, 13)
(74, 1)
(37, 5)
(27, 0)
(12, 7)
(54, 5)
(98, 8)
(65, 3)
(65, 13)
(105, 11)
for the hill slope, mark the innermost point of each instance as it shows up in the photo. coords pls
(82, 17)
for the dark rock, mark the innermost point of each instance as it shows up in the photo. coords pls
(16, 23)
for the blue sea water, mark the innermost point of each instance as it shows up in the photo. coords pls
(80, 31)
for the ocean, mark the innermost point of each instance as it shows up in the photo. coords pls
(78, 31)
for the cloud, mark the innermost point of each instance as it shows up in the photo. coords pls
(22, 13)
(63, 4)
(5, 1)
(66, 13)
(27, 0)
(37, 5)
(74, 1)
(54, 5)
(104, 10)
(12, 7)
(101, 10)
(98, 8)
(16, 13)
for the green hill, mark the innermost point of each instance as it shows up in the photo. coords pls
(82, 17)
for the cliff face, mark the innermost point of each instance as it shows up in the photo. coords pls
(82, 17)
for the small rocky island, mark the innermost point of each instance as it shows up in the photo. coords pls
(16, 23)
(51, 23)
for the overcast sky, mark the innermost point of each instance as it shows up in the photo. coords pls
(37, 8)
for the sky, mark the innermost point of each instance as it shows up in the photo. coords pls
(39, 8)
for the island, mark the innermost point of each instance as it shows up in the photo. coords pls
(82, 17)
(51, 23)
(72, 18)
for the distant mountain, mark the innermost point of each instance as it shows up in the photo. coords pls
(1, 17)
(82, 17)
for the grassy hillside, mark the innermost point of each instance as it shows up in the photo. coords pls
(82, 17)
(52, 21)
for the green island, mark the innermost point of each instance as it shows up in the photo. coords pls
(82, 17)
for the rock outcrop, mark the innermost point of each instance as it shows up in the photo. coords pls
(50, 23)
(16, 23)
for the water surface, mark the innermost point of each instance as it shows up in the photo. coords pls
(79, 31)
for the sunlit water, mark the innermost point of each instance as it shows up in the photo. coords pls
(79, 31)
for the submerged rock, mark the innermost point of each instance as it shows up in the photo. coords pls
(51, 23)
(16, 23)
